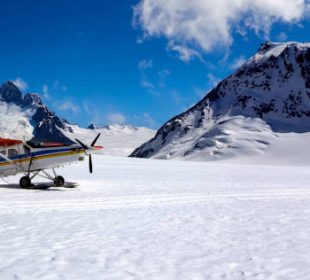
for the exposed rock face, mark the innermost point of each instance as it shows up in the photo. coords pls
(10, 93)
(273, 85)
(47, 126)
(94, 126)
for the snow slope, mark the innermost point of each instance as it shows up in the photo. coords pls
(268, 94)
(118, 140)
(152, 219)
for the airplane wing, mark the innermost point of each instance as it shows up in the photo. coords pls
(5, 142)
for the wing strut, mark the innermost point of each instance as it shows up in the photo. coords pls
(6, 158)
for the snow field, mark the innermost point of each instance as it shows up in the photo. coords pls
(152, 219)
(117, 140)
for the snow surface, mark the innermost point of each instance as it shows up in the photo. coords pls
(239, 139)
(277, 48)
(153, 219)
(118, 140)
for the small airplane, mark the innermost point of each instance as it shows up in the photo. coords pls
(33, 158)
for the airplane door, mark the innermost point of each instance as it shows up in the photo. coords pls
(20, 153)
(15, 155)
(26, 151)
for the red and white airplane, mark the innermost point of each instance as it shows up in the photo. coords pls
(32, 159)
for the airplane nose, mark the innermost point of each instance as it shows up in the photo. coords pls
(98, 147)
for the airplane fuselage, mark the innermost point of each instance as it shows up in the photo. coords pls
(22, 158)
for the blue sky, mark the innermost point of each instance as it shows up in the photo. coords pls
(136, 62)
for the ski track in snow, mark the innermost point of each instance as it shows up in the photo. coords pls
(147, 219)
(146, 201)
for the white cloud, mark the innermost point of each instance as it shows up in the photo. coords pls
(68, 106)
(145, 64)
(57, 85)
(116, 118)
(45, 91)
(213, 80)
(185, 53)
(237, 62)
(148, 120)
(152, 82)
(146, 84)
(87, 108)
(14, 123)
(93, 112)
(282, 37)
(163, 75)
(145, 120)
(20, 83)
(197, 26)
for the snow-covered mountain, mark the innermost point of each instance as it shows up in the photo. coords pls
(246, 113)
(27, 116)
(118, 140)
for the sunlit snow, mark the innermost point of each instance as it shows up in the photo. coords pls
(153, 219)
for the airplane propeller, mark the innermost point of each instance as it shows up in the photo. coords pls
(85, 147)
(90, 164)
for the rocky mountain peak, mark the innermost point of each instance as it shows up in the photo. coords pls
(10, 93)
(94, 126)
(47, 126)
(32, 100)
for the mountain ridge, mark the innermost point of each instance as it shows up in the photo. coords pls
(272, 86)
(26, 117)
(47, 126)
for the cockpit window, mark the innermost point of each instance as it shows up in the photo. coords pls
(3, 152)
(12, 153)
(27, 150)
